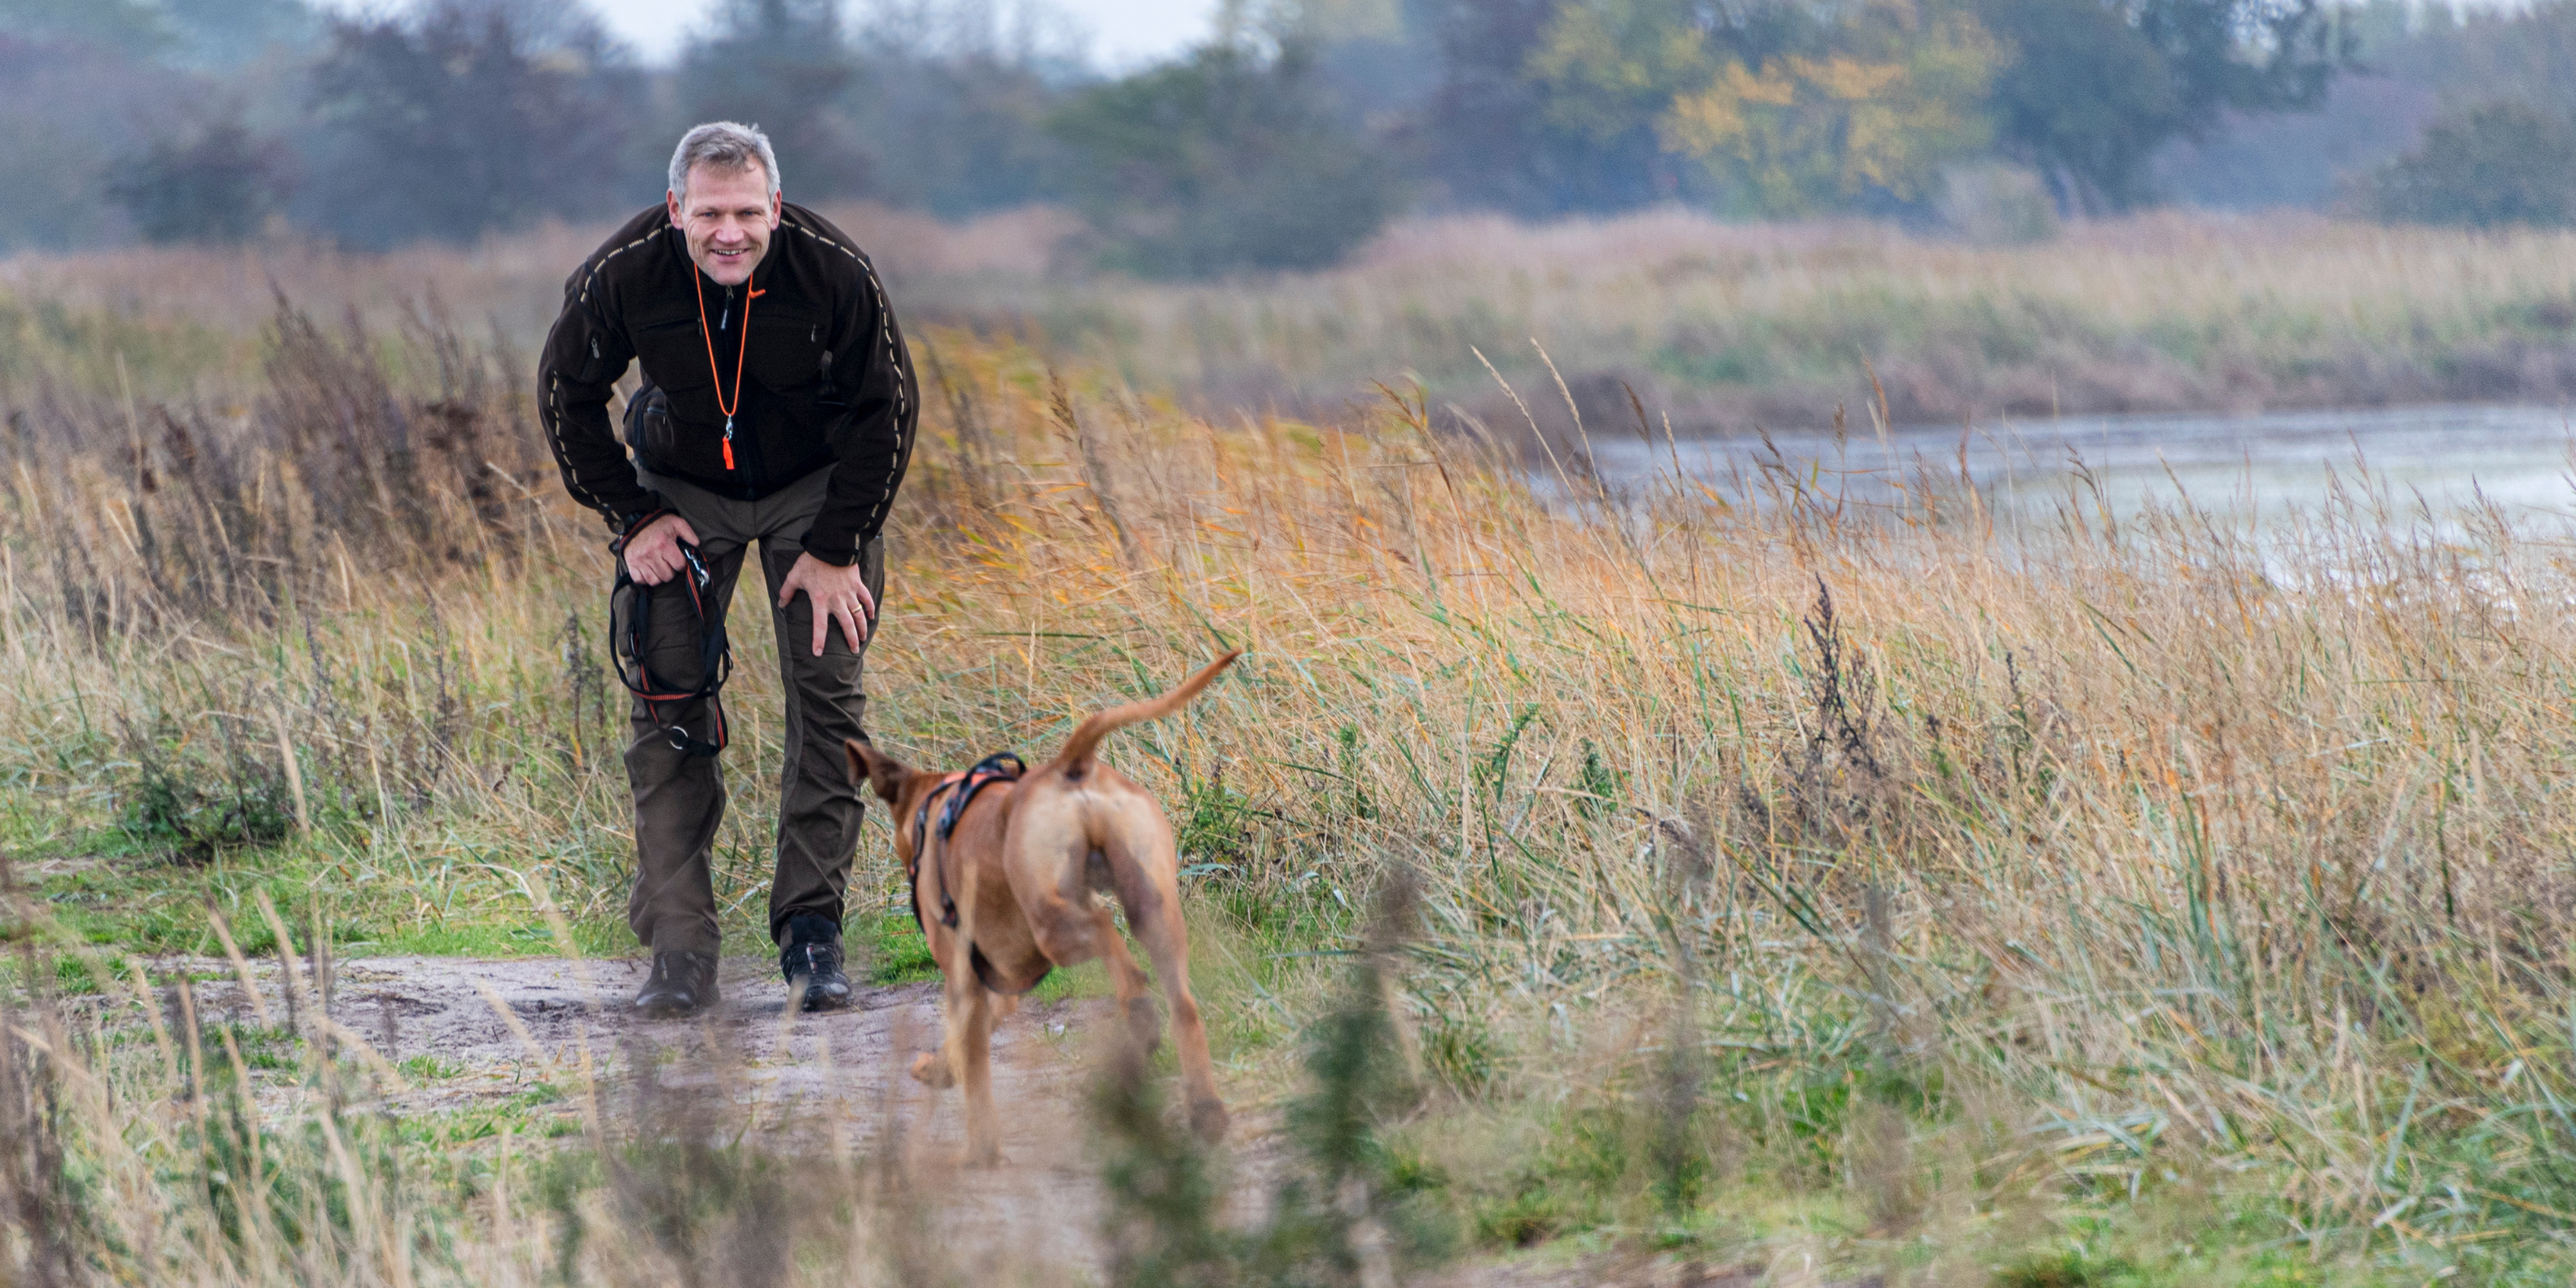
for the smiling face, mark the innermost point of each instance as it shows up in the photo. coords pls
(727, 215)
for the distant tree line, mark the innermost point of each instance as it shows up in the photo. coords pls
(2447, 113)
(1281, 142)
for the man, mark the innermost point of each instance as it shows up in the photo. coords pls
(777, 405)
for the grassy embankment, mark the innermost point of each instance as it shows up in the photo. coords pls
(2085, 902)
(1732, 326)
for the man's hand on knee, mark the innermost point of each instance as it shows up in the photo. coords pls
(838, 595)
(653, 552)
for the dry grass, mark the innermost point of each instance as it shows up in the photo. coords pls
(2117, 879)
(1725, 326)
(189, 320)
(1730, 325)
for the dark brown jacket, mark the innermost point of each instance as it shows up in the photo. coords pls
(826, 382)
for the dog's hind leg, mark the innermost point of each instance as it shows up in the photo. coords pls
(1144, 1027)
(1153, 900)
(1164, 943)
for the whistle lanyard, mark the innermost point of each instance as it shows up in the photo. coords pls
(697, 281)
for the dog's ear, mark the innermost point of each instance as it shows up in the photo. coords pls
(882, 772)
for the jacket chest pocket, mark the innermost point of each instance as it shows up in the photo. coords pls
(786, 350)
(673, 353)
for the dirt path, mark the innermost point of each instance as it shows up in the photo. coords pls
(539, 1016)
(497, 1029)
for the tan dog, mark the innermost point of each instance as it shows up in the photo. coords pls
(1008, 895)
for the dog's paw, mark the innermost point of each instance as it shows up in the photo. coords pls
(985, 1157)
(1144, 1024)
(1209, 1119)
(930, 1068)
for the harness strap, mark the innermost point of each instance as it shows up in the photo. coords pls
(960, 789)
(715, 651)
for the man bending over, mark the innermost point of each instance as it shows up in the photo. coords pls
(777, 405)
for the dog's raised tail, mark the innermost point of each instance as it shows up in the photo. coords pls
(1078, 749)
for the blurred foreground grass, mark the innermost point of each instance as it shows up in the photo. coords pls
(1794, 885)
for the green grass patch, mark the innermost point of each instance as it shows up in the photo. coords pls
(128, 895)
(896, 951)
(430, 1068)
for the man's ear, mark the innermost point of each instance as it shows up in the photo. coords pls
(671, 202)
(882, 772)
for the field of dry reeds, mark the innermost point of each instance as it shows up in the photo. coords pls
(1730, 326)
(1724, 327)
(1799, 890)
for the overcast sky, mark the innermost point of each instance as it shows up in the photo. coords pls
(1124, 33)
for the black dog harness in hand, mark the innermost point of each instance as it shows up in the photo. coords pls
(630, 618)
(959, 789)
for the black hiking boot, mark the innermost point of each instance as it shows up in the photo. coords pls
(811, 963)
(681, 984)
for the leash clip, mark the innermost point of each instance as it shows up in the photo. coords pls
(632, 651)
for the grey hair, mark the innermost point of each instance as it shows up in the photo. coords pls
(725, 145)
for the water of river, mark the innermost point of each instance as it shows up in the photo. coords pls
(2523, 459)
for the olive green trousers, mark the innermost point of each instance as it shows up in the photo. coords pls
(679, 798)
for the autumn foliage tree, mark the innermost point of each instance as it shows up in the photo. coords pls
(1786, 110)
(1883, 112)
